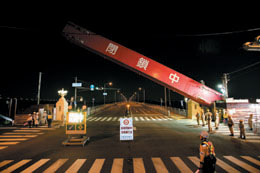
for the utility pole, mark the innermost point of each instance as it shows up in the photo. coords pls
(10, 107)
(169, 94)
(39, 88)
(144, 95)
(15, 107)
(165, 97)
(75, 94)
(225, 84)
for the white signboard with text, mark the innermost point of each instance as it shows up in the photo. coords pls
(126, 129)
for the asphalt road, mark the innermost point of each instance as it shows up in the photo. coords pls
(161, 143)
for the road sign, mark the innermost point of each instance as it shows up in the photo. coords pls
(92, 87)
(104, 94)
(76, 123)
(126, 129)
(76, 84)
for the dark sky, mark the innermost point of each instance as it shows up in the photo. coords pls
(32, 41)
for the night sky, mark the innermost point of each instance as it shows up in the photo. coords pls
(32, 41)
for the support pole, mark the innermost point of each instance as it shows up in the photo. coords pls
(225, 83)
(39, 88)
(165, 98)
(75, 94)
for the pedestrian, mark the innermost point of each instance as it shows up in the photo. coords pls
(33, 119)
(206, 118)
(198, 118)
(45, 118)
(209, 115)
(216, 120)
(202, 117)
(225, 117)
(49, 120)
(36, 119)
(230, 125)
(242, 129)
(250, 122)
(29, 121)
(207, 154)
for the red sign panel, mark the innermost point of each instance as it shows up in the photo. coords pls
(142, 65)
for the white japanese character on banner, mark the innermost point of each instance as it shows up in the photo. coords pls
(142, 63)
(174, 78)
(112, 48)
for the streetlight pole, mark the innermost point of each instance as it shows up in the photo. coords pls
(39, 88)
(75, 94)
(165, 97)
(143, 94)
(225, 83)
(169, 94)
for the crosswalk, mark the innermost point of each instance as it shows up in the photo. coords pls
(19, 135)
(137, 165)
(135, 118)
(224, 130)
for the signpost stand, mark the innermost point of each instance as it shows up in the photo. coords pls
(76, 128)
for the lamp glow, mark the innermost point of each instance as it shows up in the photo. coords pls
(62, 92)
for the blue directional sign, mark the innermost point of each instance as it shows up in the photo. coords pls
(92, 87)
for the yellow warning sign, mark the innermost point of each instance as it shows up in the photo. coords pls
(76, 123)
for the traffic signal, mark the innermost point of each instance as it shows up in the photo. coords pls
(258, 39)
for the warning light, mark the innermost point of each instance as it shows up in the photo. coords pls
(84, 107)
(75, 117)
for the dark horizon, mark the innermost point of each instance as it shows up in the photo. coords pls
(31, 46)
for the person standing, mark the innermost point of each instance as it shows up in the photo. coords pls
(225, 117)
(33, 119)
(207, 154)
(242, 129)
(29, 120)
(250, 122)
(198, 118)
(230, 125)
(49, 118)
(216, 120)
(209, 115)
(36, 119)
(202, 117)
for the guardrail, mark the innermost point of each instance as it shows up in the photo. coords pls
(169, 110)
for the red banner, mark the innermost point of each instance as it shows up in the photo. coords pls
(142, 65)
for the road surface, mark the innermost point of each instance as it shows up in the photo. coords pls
(161, 144)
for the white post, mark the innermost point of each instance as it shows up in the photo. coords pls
(39, 88)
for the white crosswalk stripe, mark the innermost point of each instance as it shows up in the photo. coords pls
(135, 118)
(20, 134)
(117, 165)
(109, 118)
(241, 164)
(76, 165)
(97, 165)
(250, 136)
(138, 164)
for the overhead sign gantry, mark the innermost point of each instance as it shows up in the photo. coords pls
(141, 64)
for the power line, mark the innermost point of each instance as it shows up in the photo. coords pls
(244, 68)
(219, 33)
(16, 28)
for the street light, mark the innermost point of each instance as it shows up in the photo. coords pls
(62, 92)
(140, 89)
(222, 89)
